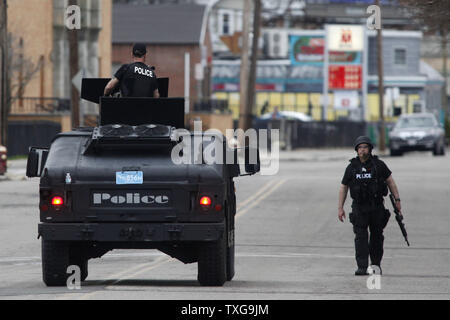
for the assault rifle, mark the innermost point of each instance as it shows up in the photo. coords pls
(399, 219)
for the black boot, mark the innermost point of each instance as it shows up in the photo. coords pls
(361, 272)
(377, 269)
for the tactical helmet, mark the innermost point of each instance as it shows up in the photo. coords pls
(363, 139)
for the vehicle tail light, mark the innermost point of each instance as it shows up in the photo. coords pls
(57, 202)
(205, 202)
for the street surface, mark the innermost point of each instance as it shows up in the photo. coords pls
(289, 242)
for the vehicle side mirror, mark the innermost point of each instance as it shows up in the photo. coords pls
(36, 161)
(252, 161)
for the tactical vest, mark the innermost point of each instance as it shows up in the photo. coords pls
(367, 186)
(138, 81)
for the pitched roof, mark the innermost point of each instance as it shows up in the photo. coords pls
(159, 24)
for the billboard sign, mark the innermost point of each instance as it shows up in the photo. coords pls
(346, 100)
(306, 49)
(345, 38)
(345, 57)
(345, 77)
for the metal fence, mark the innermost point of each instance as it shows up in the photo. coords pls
(210, 105)
(22, 135)
(314, 134)
(22, 106)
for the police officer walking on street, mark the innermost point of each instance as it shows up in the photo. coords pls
(368, 179)
(135, 79)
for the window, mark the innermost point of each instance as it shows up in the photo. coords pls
(226, 24)
(400, 56)
(416, 122)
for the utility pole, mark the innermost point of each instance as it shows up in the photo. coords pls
(444, 34)
(73, 61)
(244, 101)
(382, 138)
(4, 76)
(253, 64)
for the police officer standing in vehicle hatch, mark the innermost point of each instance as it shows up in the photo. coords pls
(135, 79)
(368, 179)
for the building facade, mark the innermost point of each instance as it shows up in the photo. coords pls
(297, 84)
(169, 31)
(41, 56)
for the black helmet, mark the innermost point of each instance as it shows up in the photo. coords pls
(363, 139)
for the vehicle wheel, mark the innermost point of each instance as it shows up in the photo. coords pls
(55, 260)
(436, 150)
(82, 263)
(230, 256)
(212, 264)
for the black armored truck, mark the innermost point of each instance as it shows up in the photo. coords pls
(117, 186)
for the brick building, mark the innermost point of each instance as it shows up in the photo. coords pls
(39, 37)
(39, 43)
(169, 31)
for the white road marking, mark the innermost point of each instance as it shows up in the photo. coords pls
(120, 276)
(258, 200)
(243, 203)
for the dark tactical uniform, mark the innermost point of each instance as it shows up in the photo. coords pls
(136, 80)
(367, 184)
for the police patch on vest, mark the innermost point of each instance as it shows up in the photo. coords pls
(144, 72)
(364, 176)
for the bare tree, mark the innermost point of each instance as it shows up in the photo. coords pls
(17, 70)
(20, 68)
(435, 18)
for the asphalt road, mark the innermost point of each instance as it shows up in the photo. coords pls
(289, 242)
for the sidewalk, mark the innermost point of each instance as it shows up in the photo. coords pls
(16, 168)
(317, 155)
(309, 154)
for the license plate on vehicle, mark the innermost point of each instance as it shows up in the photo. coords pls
(412, 142)
(129, 177)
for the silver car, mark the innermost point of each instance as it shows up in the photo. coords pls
(417, 132)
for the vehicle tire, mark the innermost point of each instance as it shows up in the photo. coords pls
(436, 150)
(55, 260)
(212, 264)
(230, 255)
(82, 264)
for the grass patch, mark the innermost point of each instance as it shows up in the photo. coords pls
(19, 157)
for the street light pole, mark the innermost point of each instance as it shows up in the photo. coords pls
(243, 107)
(253, 64)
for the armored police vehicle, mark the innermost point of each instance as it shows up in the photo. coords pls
(116, 186)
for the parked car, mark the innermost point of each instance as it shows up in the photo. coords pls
(3, 158)
(417, 132)
(291, 115)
